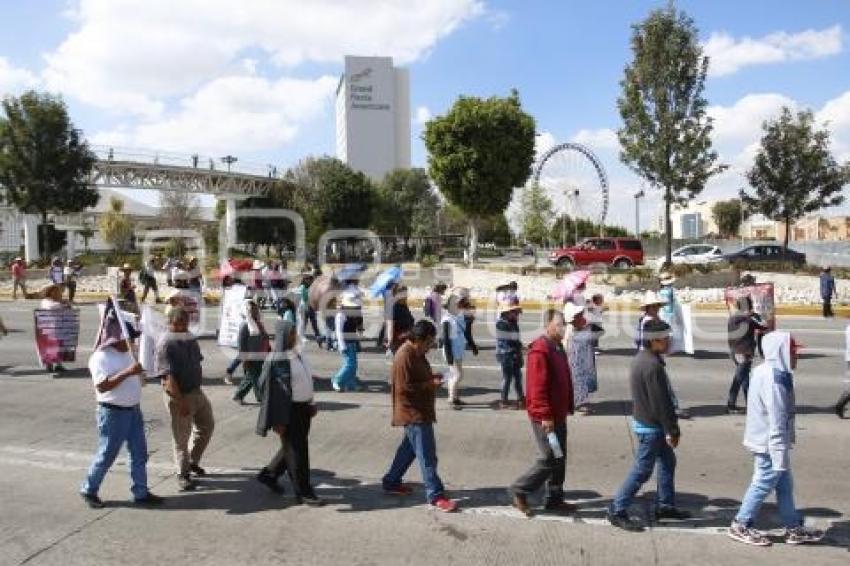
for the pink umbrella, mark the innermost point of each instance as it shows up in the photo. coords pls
(567, 286)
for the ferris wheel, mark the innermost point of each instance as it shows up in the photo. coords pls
(573, 176)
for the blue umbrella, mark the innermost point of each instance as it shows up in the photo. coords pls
(385, 280)
(350, 271)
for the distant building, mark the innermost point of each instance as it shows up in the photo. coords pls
(373, 116)
(758, 227)
(696, 220)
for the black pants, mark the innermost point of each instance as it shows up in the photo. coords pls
(72, 290)
(741, 380)
(294, 453)
(547, 469)
(827, 307)
(150, 286)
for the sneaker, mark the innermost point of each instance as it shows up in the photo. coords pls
(671, 513)
(336, 386)
(742, 533)
(803, 535)
(239, 400)
(623, 521)
(197, 470)
(839, 410)
(93, 501)
(149, 500)
(444, 504)
(683, 414)
(311, 500)
(520, 503)
(734, 410)
(185, 483)
(400, 489)
(504, 405)
(268, 480)
(228, 379)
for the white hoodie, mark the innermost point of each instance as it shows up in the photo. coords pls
(770, 404)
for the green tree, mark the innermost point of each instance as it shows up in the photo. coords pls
(478, 153)
(535, 214)
(665, 137)
(406, 204)
(329, 194)
(794, 172)
(116, 227)
(86, 234)
(728, 215)
(44, 162)
(179, 210)
(258, 231)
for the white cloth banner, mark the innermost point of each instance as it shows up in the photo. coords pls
(231, 318)
(153, 325)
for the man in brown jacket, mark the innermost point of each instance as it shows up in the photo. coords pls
(414, 391)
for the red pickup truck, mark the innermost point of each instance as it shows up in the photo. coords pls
(621, 253)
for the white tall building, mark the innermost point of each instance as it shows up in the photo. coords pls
(373, 116)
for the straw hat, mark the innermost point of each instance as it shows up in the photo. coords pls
(350, 300)
(126, 267)
(666, 278)
(571, 311)
(652, 298)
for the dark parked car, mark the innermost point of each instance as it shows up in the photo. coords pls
(766, 253)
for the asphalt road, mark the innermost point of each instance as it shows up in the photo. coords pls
(47, 437)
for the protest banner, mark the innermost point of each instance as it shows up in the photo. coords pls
(153, 325)
(57, 332)
(762, 295)
(231, 318)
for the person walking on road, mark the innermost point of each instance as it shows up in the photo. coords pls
(454, 345)
(549, 400)
(117, 379)
(288, 409)
(582, 358)
(414, 389)
(656, 427)
(178, 364)
(827, 291)
(509, 351)
(147, 277)
(19, 277)
(71, 272)
(252, 346)
(743, 328)
(348, 323)
(769, 434)
(400, 323)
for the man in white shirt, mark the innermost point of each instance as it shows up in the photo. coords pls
(118, 390)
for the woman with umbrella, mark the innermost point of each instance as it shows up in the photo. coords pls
(384, 286)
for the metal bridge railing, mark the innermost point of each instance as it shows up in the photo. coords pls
(191, 161)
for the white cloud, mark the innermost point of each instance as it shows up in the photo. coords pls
(423, 114)
(741, 122)
(835, 115)
(601, 139)
(14, 79)
(131, 55)
(543, 142)
(247, 113)
(729, 55)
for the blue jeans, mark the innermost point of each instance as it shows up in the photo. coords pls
(115, 427)
(418, 443)
(511, 373)
(234, 363)
(652, 451)
(741, 380)
(766, 480)
(347, 375)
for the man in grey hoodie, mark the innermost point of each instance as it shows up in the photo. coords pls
(769, 435)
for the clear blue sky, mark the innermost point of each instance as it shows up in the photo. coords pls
(214, 76)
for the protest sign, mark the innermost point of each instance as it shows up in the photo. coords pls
(762, 295)
(153, 325)
(57, 332)
(231, 318)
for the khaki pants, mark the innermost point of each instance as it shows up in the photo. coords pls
(22, 283)
(198, 425)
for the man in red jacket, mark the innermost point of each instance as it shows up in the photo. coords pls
(549, 399)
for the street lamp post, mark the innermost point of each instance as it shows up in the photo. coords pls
(574, 193)
(229, 160)
(638, 195)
